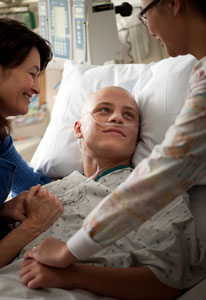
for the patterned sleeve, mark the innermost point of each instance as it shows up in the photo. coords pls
(172, 168)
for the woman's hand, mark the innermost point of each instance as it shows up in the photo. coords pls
(51, 252)
(42, 209)
(14, 209)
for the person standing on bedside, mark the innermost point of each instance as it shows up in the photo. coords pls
(23, 56)
(173, 167)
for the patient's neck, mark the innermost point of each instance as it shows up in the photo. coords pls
(90, 166)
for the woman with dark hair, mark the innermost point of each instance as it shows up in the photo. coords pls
(18, 39)
(23, 56)
(172, 168)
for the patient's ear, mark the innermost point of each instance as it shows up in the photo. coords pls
(77, 130)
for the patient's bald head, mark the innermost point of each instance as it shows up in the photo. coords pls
(106, 94)
(101, 126)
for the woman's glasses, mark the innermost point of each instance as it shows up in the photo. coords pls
(142, 15)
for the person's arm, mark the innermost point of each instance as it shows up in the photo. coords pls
(25, 176)
(15, 241)
(127, 284)
(14, 210)
(172, 168)
(42, 209)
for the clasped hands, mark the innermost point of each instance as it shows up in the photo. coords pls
(37, 203)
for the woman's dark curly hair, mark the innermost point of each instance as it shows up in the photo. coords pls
(16, 41)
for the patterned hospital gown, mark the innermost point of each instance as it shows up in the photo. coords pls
(167, 243)
(172, 168)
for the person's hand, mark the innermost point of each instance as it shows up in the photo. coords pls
(14, 209)
(36, 275)
(42, 209)
(51, 252)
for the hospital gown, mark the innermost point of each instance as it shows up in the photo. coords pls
(172, 168)
(167, 243)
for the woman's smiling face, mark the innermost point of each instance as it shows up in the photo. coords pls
(17, 85)
(166, 23)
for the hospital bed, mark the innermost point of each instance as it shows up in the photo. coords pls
(160, 89)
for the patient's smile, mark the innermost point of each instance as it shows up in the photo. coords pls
(115, 131)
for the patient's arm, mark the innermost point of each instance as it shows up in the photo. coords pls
(42, 209)
(130, 283)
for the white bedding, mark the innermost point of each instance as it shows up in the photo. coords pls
(11, 288)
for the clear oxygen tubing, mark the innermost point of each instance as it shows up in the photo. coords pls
(109, 123)
(92, 177)
(98, 170)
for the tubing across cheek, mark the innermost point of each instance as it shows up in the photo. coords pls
(109, 123)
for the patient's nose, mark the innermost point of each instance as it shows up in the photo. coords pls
(116, 118)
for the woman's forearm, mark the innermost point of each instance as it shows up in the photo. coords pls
(130, 283)
(16, 240)
(42, 210)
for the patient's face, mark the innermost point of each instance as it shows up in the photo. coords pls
(116, 107)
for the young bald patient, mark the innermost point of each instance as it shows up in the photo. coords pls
(108, 129)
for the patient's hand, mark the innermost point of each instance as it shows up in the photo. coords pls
(35, 275)
(14, 209)
(42, 209)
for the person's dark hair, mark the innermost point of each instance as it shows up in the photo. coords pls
(16, 41)
(198, 5)
(5, 128)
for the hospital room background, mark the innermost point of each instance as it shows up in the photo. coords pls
(77, 34)
(96, 43)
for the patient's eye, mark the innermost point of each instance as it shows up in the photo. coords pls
(129, 115)
(105, 109)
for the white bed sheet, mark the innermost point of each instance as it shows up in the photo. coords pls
(11, 288)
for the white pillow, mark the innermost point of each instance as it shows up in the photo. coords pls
(160, 89)
(58, 154)
(160, 100)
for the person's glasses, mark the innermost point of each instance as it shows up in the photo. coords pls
(142, 15)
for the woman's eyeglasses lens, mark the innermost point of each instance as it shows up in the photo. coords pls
(142, 14)
(143, 19)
